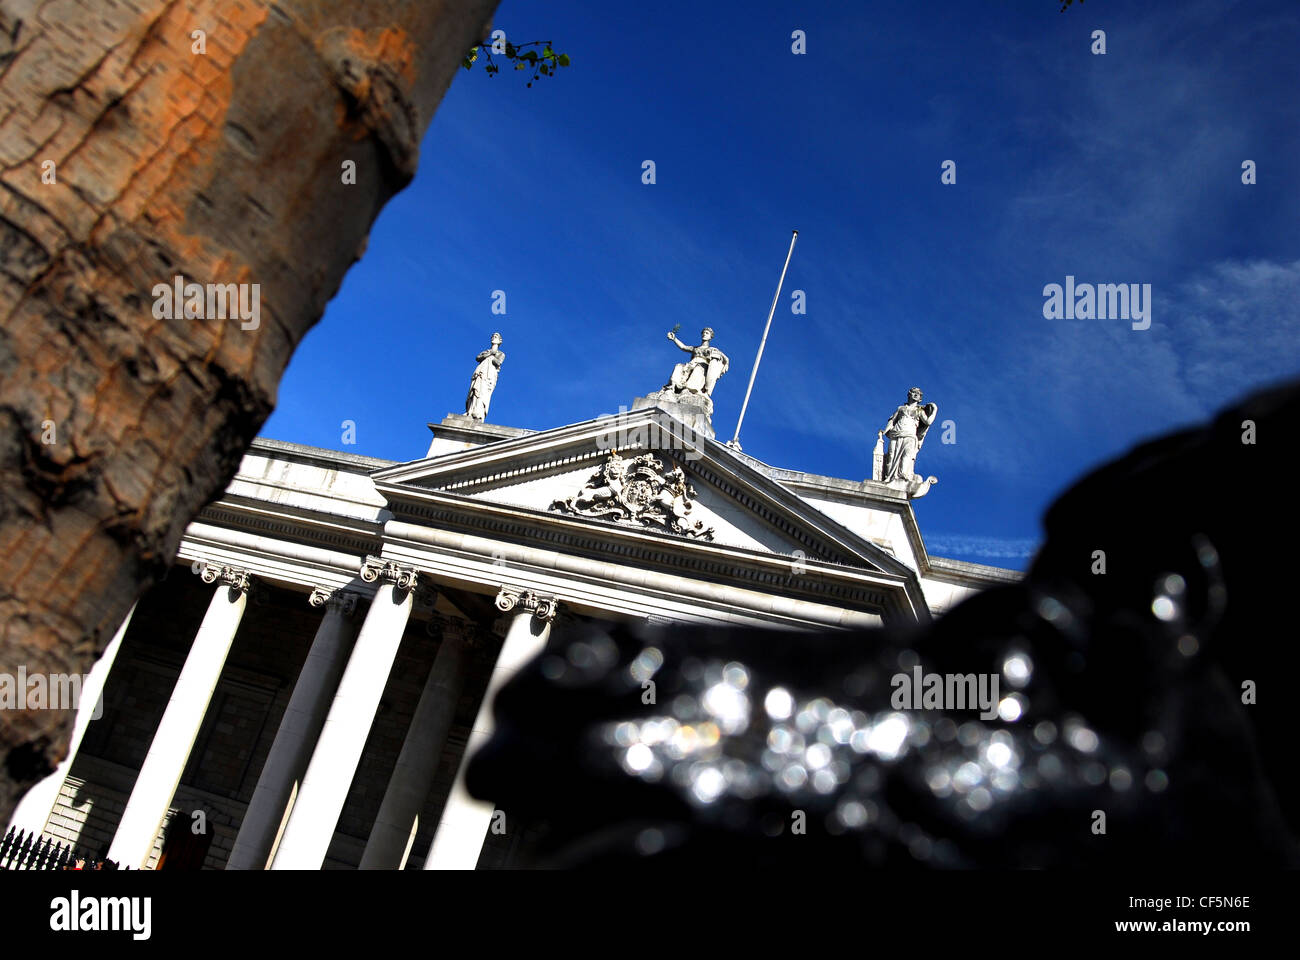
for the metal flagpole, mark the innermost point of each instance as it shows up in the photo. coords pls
(735, 441)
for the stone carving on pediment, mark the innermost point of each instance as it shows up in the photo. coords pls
(638, 491)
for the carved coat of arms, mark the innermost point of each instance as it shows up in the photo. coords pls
(638, 490)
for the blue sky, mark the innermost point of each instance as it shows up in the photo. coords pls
(1120, 168)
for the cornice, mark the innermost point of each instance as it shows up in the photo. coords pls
(614, 590)
(977, 574)
(523, 473)
(318, 456)
(459, 428)
(295, 524)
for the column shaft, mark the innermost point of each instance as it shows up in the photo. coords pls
(299, 729)
(408, 788)
(170, 750)
(334, 761)
(465, 820)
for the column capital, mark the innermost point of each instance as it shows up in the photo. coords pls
(340, 601)
(236, 578)
(543, 608)
(390, 571)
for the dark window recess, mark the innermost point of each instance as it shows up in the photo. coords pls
(223, 752)
(134, 700)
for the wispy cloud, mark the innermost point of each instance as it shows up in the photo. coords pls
(993, 548)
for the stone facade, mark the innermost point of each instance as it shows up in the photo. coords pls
(300, 690)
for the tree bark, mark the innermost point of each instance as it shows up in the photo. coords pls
(129, 156)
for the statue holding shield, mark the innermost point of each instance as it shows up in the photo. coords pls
(700, 373)
(906, 431)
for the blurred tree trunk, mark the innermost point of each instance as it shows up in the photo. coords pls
(141, 140)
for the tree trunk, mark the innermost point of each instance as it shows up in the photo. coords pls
(141, 140)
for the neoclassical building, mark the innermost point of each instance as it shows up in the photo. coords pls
(302, 688)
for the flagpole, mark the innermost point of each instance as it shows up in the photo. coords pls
(735, 441)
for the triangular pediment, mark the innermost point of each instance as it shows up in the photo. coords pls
(544, 475)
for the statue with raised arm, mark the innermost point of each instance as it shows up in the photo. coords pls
(906, 431)
(701, 372)
(484, 380)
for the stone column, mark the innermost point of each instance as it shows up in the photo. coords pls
(465, 821)
(161, 771)
(301, 726)
(334, 760)
(34, 809)
(408, 788)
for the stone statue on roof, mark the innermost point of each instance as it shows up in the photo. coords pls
(484, 380)
(906, 430)
(700, 373)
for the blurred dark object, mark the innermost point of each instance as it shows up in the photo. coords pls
(1121, 702)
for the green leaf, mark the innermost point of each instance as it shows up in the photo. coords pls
(562, 59)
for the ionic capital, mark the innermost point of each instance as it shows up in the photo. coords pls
(543, 608)
(390, 571)
(342, 602)
(235, 578)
